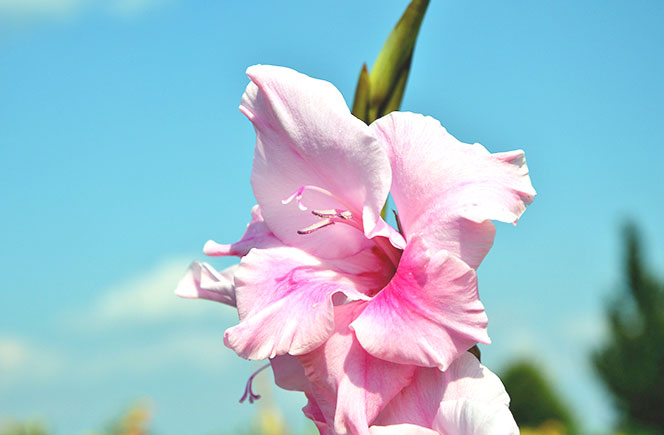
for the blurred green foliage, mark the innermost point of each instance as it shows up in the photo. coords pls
(631, 362)
(23, 428)
(534, 402)
(134, 421)
(549, 427)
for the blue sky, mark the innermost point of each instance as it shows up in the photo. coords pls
(123, 151)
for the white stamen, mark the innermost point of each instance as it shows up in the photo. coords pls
(315, 227)
(333, 213)
(301, 205)
(296, 194)
(345, 215)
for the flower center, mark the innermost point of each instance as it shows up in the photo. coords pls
(346, 216)
(328, 217)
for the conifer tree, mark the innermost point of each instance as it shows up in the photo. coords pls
(631, 362)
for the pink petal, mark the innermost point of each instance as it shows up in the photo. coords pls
(289, 373)
(257, 235)
(312, 411)
(428, 314)
(466, 399)
(417, 403)
(203, 282)
(349, 385)
(306, 136)
(468, 379)
(401, 429)
(384, 229)
(448, 190)
(461, 417)
(474, 401)
(285, 297)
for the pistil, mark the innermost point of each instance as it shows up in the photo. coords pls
(248, 391)
(297, 195)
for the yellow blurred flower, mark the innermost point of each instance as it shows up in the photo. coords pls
(549, 427)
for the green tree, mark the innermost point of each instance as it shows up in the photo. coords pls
(631, 362)
(533, 400)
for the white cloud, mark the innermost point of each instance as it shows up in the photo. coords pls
(586, 330)
(121, 317)
(12, 354)
(146, 298)
(21, 12)
(39, 8)
(21, 361)
(201, 351)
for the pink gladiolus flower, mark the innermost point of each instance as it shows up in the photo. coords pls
(321, 177)
(366, 309)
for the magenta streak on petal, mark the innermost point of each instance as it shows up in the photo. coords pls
(428, 314)
(248, 392)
